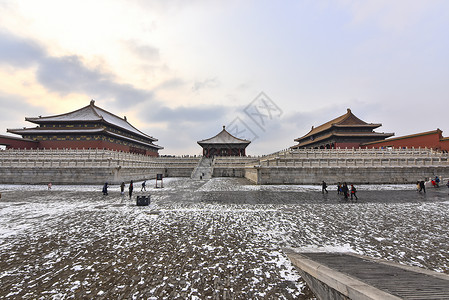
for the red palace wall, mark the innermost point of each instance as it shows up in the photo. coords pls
(445, 144)
(347, 145)
(432, 140)
(12, 143)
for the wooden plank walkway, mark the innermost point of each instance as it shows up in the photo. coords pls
(343, 271)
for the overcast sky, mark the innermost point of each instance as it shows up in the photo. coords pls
(268, 70)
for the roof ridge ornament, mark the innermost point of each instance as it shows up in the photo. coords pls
(92, 102)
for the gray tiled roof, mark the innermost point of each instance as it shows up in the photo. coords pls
(224, 137)
(91, 113)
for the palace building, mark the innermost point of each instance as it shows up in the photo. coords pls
(88, 127)
(224, 144)
(346, 131)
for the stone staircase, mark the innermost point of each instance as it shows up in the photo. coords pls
(203, 170)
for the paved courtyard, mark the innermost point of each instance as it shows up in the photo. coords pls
(217, 239)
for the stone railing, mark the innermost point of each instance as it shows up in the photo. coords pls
(345, 156)
(88, 158)
(233, 161)
(353, 153)
(355, 162)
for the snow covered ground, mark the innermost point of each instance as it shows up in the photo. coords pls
(197, 240)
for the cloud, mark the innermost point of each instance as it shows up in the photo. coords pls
(13, 107)
(144, 52)
(171, 84)
(11, 104)
(19, 52)
(207, 83)
(200, 114)
(68, 74)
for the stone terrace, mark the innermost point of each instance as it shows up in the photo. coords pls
(311, 166)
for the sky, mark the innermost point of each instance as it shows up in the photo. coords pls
(267, 70)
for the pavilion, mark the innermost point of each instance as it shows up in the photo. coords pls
(224, 144)
(90, 127)
(346, 131)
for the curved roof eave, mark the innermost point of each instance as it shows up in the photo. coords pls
(92, 113)
(330, 135)
(336, 122)
(224, 137)
(133, 140)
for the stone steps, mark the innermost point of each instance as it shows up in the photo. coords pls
(203, 170)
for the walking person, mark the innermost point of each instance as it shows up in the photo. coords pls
(49, 186)
(339, 188)
(105, 189)
(143, 188)
(130, 188)
(422, 186)
(323, 187)
(345, 190)
(122, 188)
(353, 192)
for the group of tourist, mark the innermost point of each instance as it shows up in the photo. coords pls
(342, 189)
(421, 186)
(122, 188)
(435, 182)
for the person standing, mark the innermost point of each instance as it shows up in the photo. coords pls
(437, 181)
(143, 188)
(323, 187)
(345, 190)
(130, 188)
(49, 186)
(339, 188)
(105, 189)
(353, 192)
(433, 183)
(122, 188)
